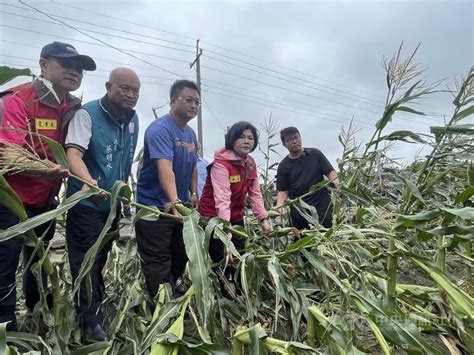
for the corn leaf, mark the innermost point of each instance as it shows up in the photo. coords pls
(7, 74)
(3, 338)
(397, 328)
(11, 200)
(416, 219)
(176, 329)
(332, 332)
(57, 150)
(463, 213)
(195, 242)
(103, 238)
(467, 129)
(465, 195)
(169, 311)
(90, 349)
(32, 342)
(35, 221)
(405, 136)
(410, 110)
(460, 301)
(463, 114)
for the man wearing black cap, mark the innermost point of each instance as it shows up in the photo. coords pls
(43, 106)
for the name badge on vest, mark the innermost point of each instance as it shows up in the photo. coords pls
(46, 124)
(131, 127)
(234, 179)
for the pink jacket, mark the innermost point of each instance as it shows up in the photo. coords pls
(219, 176)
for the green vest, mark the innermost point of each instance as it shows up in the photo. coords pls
(109, 156)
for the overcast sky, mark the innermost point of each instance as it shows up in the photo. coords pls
(310, 64)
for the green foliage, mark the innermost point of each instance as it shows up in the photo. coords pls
(7, 74)
(380, 280)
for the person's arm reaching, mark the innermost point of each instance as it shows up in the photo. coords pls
(79, 168)
(332, 176)
(167, 181)
(281, 197)
(222, 193)
(258, 206)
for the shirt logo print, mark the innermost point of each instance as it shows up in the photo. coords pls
(189, 146)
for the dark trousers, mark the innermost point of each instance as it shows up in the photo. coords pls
(9, 257)
(217, 254)
(324, 214)
(162, 252)
(216, 247)
(83, 227)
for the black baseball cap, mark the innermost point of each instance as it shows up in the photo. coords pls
(65, 50)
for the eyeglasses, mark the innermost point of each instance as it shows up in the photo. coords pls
(292, 139)
(68, 63)
(189, 100)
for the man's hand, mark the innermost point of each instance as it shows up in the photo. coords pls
(266, 228)
(229, 258)
(54, 172)
(169, 208)
(194, 200)
(99, 197)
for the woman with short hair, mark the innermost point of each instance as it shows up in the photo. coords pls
(231, 177)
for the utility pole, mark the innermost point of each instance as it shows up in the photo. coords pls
(197, 61)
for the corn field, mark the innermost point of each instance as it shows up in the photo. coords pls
(393, 275)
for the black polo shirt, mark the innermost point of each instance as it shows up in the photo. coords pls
(297, 176)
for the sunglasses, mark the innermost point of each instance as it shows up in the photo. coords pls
(69, 63)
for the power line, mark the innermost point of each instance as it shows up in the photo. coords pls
(297, 101)
(122, 50)
(283, 109)
(362, 125)
(34, 60)
(231, 86)
(212, 113)
(326, 116)
(289, 90)
(122, 20)
(379, 103)
(237, 93)
(190, 46)
(145, 42)
(89, 74)
(98, 40)
(227, 72)
(79, 29)
(284, 67)
(283, 88)
(216, 93)
(100, 26)
(221, 71)
(300, 84)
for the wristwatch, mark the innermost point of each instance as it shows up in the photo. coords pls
(194, 194)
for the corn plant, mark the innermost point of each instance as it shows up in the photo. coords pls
(383, 279)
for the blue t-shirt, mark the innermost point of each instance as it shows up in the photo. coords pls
(164, 139)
